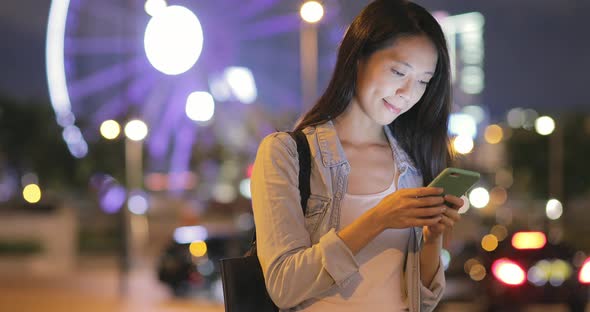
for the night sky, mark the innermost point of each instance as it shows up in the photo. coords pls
(537, 51)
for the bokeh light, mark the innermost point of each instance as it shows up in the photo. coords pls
(136, 130)
(493, 134)
(499, 231)
(515, 117)
(469, 264)
(584, 275)
(241, 83)
(112, 198)
(312, 11)
(173, 40)
(206, 268)
(200, 106)
(474, 111)
(544, 125)
(189, 234)
(489, 242)
(479, 197)
(508, 271)
(538, 274)
(32, 193)
(154, 7)
(224, 193)
(445, 256)
(560, 272)
(245, 188)
(463, 144)
(138, 203)
(463, 125)
(466, 205)
(530, 115)
(529, 240)
(498, 195)
(198, 248)
(477, 272)
(554, 209)
(110, 129)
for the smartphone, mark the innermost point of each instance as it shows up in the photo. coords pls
(455, 181)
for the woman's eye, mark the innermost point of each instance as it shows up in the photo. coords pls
(398, 73)
(424, 83)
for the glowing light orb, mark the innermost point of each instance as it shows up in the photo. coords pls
(200, 106)
(136, 130)
(554, 209)
(312, 11)
(155, 7)
(32, 193)
(479, 197)
(173, 40)
(241, 83)
(544, 125)
(463, 144)
(110, 129)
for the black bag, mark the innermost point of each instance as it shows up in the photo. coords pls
(244, 289)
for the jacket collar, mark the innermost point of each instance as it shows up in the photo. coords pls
(333, 153)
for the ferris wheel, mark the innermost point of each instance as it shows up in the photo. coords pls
(180, 66)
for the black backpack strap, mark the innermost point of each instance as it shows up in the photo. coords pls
(304, 166)
(304, 175)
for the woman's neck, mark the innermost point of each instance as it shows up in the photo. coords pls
(355, 127)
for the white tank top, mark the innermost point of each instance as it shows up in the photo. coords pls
(377, 286)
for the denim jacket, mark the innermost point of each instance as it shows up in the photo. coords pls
(302, 256)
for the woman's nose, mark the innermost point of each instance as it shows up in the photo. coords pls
(405, 91)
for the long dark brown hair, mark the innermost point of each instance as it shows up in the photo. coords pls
(422, 130)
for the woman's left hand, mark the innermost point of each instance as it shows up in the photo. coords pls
(449, 218)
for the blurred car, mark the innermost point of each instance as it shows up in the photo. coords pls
(527, 269)
(189, 264)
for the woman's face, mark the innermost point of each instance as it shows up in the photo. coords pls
(392, 80)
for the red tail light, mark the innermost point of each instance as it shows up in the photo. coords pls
(584, 276)
(508, 272)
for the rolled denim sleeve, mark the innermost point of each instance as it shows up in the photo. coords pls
(430, 296)
(294, 269)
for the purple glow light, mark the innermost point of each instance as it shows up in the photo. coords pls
(104, 78)
(113, 199)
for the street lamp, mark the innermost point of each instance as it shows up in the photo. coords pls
(110, 129)
(311, 13)
(134, 228)
(135, 132)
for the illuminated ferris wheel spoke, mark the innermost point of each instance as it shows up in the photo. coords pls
(182, 149)
(173, 115)
(107, 13)
(136, 92)
(255, 7)
(105, 78)
(156, 102)
(271, 27)
(99, 45)
(117, 105)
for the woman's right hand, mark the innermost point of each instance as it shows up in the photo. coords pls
(411, 207)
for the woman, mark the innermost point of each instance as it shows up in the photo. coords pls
(371, 237)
